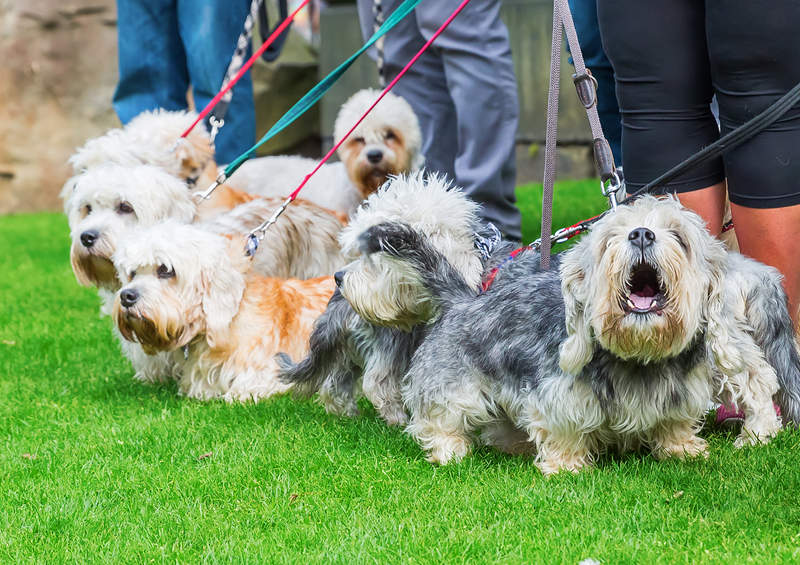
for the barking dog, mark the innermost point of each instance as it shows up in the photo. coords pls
(386, 143)
(348, 348)
(619, 347)
(184, 288)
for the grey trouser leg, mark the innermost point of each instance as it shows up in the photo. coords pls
(464, 92)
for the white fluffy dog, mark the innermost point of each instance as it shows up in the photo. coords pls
(187, 292)
(152, 138)
(107, 202)
(387, 142)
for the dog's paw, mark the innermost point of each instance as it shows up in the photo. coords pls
(749, 436)
(393, 414)
(445, 449)
(687, 449)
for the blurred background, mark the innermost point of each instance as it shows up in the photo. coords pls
(58, 70)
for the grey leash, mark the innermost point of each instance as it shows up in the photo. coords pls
(377, 14)
(586, 87)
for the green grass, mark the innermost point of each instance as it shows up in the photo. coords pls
(95, 467)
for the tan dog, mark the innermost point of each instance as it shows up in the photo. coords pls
(190, 292)
(387, 142)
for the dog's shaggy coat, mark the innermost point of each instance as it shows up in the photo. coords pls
(348, 350)
(620, 346)
(187, 288)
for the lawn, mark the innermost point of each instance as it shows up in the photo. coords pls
(95, 467)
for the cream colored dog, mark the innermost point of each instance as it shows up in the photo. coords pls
(387, 142)
(188, 292)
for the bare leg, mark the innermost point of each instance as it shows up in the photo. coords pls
(709, 203)
(770, 235)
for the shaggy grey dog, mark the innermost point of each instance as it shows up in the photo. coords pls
(621, 346)
(379, 314)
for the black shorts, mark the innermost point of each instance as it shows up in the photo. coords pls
(671, 56)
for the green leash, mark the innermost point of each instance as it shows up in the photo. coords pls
(313, 95)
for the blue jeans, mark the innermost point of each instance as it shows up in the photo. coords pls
(166, 45)
(584, 14)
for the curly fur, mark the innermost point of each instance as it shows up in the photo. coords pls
(625, 376)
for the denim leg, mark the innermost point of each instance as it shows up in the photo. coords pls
(209, 30)
(152, 63)
(584, 14)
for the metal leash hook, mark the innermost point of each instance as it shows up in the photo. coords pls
(205, 195)
(610, 190)
(257, 234)
(216, 125)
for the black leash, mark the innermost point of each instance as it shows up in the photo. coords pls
(726, 143)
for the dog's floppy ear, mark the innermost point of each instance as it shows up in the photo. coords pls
(578, 349)
(223, 287)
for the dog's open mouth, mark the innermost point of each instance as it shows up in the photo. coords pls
(645, 291)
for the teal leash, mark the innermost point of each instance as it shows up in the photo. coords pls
(313, 95)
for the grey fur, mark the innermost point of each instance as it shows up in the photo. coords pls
(348, 354)
(496, 357)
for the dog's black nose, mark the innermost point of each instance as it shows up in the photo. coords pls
(642, 237)
(338, 277)
(374, 156)
(89, 237)
(128, 297)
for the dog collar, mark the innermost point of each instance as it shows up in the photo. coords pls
(489, 278)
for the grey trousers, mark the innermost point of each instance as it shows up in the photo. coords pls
(464, 92)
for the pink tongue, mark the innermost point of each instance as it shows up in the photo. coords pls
(644, 298)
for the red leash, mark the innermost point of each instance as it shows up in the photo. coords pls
(253, 238)
(246, 67)
(383, 93)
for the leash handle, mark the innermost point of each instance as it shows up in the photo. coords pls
(586, 90)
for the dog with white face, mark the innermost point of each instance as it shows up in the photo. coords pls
(379, 314)
(107, 203)
(191, 293)
(388, 142)
(153, 138)
(621, 345)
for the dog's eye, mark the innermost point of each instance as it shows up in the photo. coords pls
(165, 272)
(87, 210)
(131, 275)
(679, 239)
(389, 135)
(358, 140)
(124, 208)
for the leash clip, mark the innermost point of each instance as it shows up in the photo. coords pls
(586, 87)
(259, 233)
(610, 190)
(216, 125)
(205, 195)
